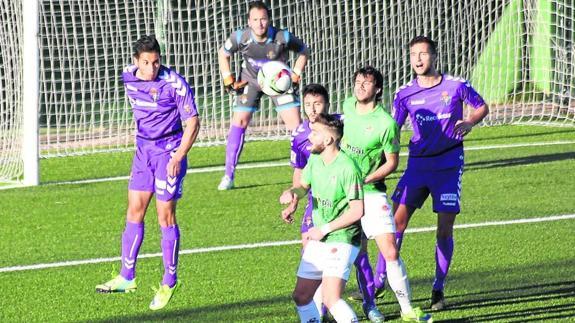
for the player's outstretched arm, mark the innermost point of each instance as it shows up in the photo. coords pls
(188, 138)
(349, 217)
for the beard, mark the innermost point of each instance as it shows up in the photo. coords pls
(317, 149)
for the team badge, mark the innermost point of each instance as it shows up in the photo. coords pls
(154, 94)
(333, 250)
(271, 54)
(187, 108)
(385, 208)
(243, 98)
(445, 98)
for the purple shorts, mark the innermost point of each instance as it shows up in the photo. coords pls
(307, 221)
(149, 173)
(444, 185)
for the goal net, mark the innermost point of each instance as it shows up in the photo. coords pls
(518, 54)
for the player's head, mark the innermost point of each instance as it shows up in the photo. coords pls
(368, 83)
(147, 57)
(258, 18)
(422, 55)
(326, 131)
(315, 100)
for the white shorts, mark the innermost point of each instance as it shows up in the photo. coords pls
(378, 215)
(331, 259)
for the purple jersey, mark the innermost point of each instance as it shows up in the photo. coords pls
(434, 112)
(300, 145)
(159, 105)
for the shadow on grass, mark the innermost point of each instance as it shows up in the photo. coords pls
(515, 304)
(534, 134)
(253, 310)
(498, 163)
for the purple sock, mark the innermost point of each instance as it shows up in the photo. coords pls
(380, 269)
(443, 254)
(364, 275)
(234, 149)
(170, 249)
(131, 241)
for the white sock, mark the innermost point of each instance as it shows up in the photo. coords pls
(308, 313)
(317, 299)
(397, 278)
(342, 313)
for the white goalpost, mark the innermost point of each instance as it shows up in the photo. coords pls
(61, 60)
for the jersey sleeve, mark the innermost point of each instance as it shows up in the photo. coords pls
(297, 157)
(400, 111)
(184, 97)
(232, 43)
(295, 44)
(470, 96)
(352, 183)
(390, 138)
(306, 172)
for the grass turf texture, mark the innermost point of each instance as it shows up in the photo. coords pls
(512, 273)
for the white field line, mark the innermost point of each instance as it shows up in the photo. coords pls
(286, 163)
(269, 244)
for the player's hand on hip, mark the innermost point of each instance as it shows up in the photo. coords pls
(462, 128)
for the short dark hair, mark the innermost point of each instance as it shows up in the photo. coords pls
(258, 5)
(426, 40)
(334, 124)
(377, 77)
(316, 89)
(146, 44)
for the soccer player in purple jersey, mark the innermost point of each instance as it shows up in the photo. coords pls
(161, 100)
(434, 103)
(258, 44)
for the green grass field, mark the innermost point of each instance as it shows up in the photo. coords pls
(513, 272)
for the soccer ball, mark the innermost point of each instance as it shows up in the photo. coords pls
(274, 78)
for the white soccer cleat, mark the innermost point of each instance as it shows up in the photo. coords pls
(226, 183)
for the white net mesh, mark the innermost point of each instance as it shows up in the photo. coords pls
(11, 93)
(518, 54)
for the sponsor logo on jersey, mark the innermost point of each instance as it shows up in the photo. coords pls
(187, 108)
(417, 102)
(333, 250)
(324, 203)
(368, 129)
(445, 98)
(421, 119)
(352, 149)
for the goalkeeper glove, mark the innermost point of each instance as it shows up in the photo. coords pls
(232, 85)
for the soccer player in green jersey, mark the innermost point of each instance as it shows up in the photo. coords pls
(371, 139)
(334, 239)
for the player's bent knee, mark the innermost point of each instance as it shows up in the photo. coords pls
(301, 297)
